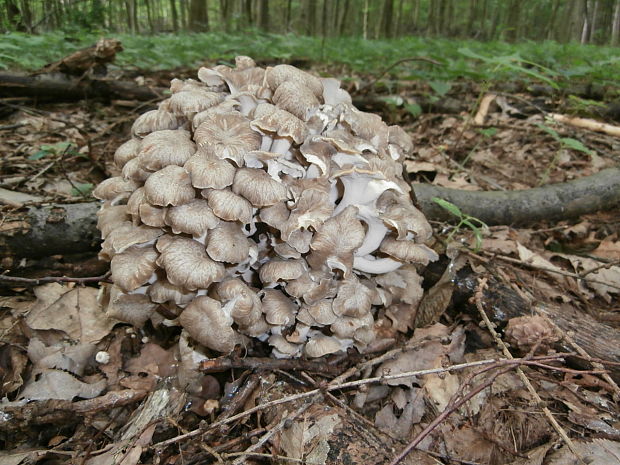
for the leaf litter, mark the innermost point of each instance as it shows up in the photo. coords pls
(79, 387)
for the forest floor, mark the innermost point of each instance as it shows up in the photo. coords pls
(81, 389)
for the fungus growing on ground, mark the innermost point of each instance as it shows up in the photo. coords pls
(259, 203)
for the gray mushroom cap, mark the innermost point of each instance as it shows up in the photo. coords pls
(259, 202)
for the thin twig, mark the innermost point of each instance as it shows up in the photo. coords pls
(526, 382)
(53, 279)
(334, 387)
(454, 404)
(599, 366)
(544, 268)
(263, 363)
(272, 431)
(203, 445)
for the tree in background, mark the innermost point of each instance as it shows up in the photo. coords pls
(585, 21)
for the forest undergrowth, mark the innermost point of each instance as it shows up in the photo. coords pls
(517, 365)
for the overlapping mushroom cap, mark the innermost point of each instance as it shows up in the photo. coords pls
(260, 203)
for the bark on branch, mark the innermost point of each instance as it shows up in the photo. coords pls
(553, 202)
(64, 88)
(40, 231)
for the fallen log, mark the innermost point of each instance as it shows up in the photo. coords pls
(554, 202)
(40, 231)
(62, 88)
(501, 303)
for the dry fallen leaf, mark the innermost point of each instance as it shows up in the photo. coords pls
(608, 277)
(405, 410)
(55, 384)
(75, 312)
(597, 452)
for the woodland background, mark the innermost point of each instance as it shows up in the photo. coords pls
(584, 21)
(498, 95)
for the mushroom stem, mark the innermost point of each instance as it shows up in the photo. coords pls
(247, 102)
(280, 145)
(374, 235)
(265, 143)
(375, 266)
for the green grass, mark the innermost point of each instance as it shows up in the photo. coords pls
(546, 62)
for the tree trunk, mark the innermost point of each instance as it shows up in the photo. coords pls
(593, 21)
(513, 19)
(310, 8)
(471, 18)
(225, 13)
(399, 20)
(198, 16)
(134, 9)
(387, 17)
(615, 25)
(149, 15)
(26, 16)
(175, 15)
(263, 15)
(289, 7)
(415, 15)
(344, 16)
(324, 30)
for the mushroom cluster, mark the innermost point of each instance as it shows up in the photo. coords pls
(261, 203)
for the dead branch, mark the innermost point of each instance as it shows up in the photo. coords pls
(221, 364)
(338, 386)
(70, 228)
(600, 341)
(587, 123)
(86, 59)
(46, 88)
(18, 418)
(478, 297)
(554, 202)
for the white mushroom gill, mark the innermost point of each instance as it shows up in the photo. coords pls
(259, 203)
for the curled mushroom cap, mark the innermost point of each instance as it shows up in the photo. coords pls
(126, 152)
(194, 217)
(258, 187)
(191, 101)
(241, 302)
(163, 148)
(133, 267)
(227, 243)
(279, 123)
(353, 299)
(133, 170)
(115, 189)
(154, 120)
(227, 135)
(296, 98)
(320, 345)
(125, 236)
(207, 323)
(402, 216)
(162, 291)
(276, 270)
(334, 242)
(187, 265)
(135, 309)
(408, 251)
(110, 217)
(169, 186)
(281, 73)
(209, 171)
(228, 206)
(278, 308)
